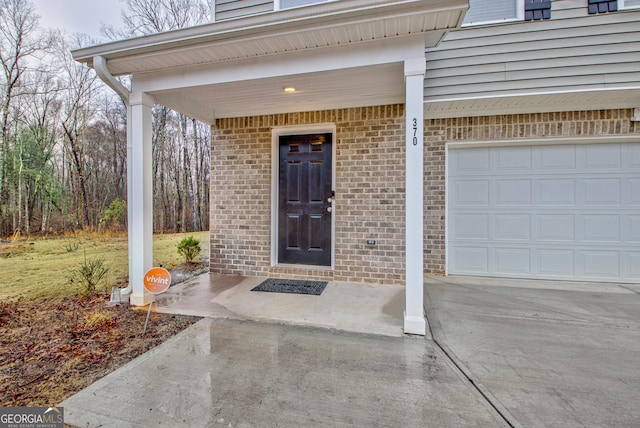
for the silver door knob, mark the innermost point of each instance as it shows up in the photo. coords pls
(329, 209)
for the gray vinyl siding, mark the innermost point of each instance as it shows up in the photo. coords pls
(571, 51)
(564, 9)
(227, 9)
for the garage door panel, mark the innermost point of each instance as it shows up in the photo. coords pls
(556, 227)
(515, 261)
(633, 155)
(599, 228)
(599, 264)
(470, 260)
(564, 211)
(555, 263)
(470, 161)
(470, 227)
(602, 156)
(600, 191)
(555, 158)
(632, 260)
(557, 191)
(471, 192)
(512, 227)
(632, 187)
(512, 159)
(633, 226)
(513, 192)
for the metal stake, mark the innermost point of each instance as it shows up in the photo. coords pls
(148, 313)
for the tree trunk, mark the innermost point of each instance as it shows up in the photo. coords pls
(195, 188)
(83, 202)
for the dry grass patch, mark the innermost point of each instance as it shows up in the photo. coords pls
(42, 268)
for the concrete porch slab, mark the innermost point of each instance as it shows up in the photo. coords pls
(359, 308)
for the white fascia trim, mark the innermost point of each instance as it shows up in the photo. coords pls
(598, 139)
(527, 94)
(276, 133)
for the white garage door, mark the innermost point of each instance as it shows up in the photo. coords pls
(553, 211)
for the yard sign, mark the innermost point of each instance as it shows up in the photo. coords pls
(156, 281)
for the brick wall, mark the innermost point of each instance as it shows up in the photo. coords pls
(490, 128)
(370, 173)
(369, 194)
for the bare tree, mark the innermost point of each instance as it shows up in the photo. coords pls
(62, 138)
(177, 189)
(34, 151)
(79, 111)
(19, 41)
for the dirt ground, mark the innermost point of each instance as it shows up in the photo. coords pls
(52, 348)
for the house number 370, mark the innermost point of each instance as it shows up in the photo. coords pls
(415, 131)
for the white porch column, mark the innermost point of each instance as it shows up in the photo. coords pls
(139, 193)
(414, 321)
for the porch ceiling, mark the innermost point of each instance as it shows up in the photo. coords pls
(373, 85)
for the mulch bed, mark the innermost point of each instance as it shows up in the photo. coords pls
(51, 349)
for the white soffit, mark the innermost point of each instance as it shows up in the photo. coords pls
(591, 99)
(322, 25)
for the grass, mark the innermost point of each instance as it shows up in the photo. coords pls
(42, 268)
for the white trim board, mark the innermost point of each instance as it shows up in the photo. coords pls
(276, 133)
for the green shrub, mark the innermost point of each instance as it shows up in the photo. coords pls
(189, 247)
(71, 246)
(88, 275)
(114, 215)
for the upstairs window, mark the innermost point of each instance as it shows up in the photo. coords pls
(494, 11)
(629, 4)
(288, 4)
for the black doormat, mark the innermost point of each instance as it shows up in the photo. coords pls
(291, 286)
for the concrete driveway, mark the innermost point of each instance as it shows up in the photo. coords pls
(505, 353)
(546, 354)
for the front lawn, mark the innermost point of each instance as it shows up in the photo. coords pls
(53, 343)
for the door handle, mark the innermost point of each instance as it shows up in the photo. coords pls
(329, 209)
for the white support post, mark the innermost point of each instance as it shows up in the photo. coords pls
(414, 321)
(139, 194)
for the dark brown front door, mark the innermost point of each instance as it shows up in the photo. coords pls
(304, 222)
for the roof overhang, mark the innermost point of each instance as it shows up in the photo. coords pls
(334, 31)
(534, 102)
